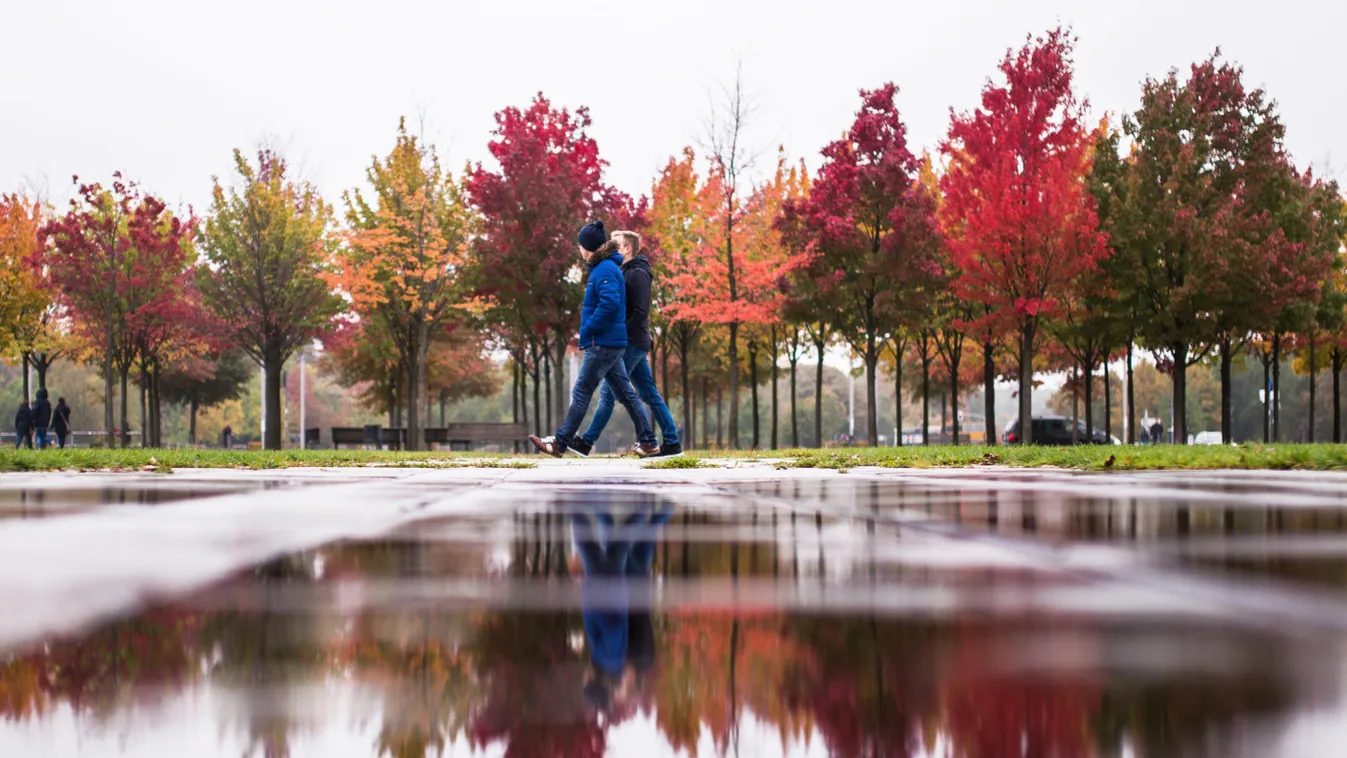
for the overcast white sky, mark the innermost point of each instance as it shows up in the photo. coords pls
(164, 90)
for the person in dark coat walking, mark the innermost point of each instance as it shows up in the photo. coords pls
(603, 338)
(23, 426)
(42, 419)
(638, 276)
(60, 422)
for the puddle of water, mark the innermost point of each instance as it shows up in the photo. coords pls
(602, 623)
(29, 503)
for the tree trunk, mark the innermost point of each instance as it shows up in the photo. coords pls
(989, 394)
(734, 387)
(871, 395)
(1075, 405)
(537, 400)
(40, 364)
(108, 410)
(1337, 394)
(1267, 398)
(720, 411)
(125, 434)
(775, 377)
(818, 399)
(1089, 396)
(191, 421)
(1313, 390)
(547, 389)
(559, 402)
(753, 379)
(273, 400)
(1027, 383)
(689, 435)
(416, 422)
(897, 394)
(145, 434)
(925, 399)
(1227, 428)
(706, 418)
(156, 409)
(1180, 393)
(1108, 402)
(24, 361)
(954, 400)
(1130, 393)
(1276, 388)
(794, 419)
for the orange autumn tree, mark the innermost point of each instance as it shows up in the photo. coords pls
(675, 231)
(404, 255)
(24, 301)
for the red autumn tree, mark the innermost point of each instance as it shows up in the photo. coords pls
(873, 231)
(119, 259)
(1015, 188)
(549, 182)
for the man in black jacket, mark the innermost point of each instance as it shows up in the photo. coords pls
(41, 418)
(636, 271)
(60, 422)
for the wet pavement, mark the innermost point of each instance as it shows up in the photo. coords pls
(591, 611)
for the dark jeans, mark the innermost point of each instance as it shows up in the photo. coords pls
(43, 441)
(603, 364)
(25, 439)
(643, 381)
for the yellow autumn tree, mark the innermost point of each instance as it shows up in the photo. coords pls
(27, 311)
(403, 259)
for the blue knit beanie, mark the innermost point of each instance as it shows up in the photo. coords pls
(592, 236)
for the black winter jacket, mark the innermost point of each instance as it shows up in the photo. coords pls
(23, 420)
(42, 410)
(639, 277)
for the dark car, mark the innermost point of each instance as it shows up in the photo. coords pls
(1055, 430)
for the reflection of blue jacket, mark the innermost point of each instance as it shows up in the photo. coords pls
(605, 596)
(603, 318)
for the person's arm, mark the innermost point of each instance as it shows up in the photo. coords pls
(609, 302)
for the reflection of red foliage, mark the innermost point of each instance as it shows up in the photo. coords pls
(998, 715)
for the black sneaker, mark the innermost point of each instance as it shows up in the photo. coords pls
(669, 451)
(580, 447)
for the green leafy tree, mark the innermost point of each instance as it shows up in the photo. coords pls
(268, 247)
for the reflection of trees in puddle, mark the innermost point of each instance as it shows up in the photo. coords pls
(861, 685)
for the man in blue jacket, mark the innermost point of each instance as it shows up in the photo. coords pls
(603, 337)
(639, 277)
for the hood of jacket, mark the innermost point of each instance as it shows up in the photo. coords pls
(605, 251)
(42, 394)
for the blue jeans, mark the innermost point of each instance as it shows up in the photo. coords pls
(643, 381)
(43, 442)
(603, 364)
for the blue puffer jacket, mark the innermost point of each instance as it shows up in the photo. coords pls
(603, 318)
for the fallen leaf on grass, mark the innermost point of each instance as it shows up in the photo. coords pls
(1109, 463)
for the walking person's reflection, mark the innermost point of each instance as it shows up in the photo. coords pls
(615, 597)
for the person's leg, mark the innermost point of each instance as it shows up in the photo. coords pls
(621, 384)
(643, 381)
(42, 441)
(602, 414)
(597, 363)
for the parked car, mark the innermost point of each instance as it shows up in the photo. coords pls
(1056, 430)
(1207, 438)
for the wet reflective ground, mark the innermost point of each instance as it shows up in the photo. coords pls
(915, 615)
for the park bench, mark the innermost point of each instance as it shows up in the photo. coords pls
(462, 435)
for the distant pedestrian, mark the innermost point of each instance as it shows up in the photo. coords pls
(1145, 436)
(1157, 433)
(23, 426)
(227, 437)
(60, 422)
(42, 419)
